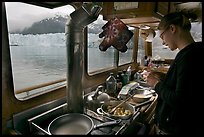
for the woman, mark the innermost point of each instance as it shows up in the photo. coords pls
(179, 107)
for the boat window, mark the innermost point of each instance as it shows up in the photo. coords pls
(98, 60)
(162, 52)
(101, 60)
(126, 57)
(37, 47)
(141, 49)
(196, 31)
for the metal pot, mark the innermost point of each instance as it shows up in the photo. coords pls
(96, 99)
(104, 109)
(75, 124)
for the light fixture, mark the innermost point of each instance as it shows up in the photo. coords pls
(147, 34)
(144, 27)
(150, 37)
(131, 28)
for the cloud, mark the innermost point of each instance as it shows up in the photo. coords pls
(21, 15)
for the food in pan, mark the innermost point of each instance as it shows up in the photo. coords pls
(120, 111)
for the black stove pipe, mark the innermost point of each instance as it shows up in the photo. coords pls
(74, 32)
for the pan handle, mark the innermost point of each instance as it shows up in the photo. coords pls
(39, 128)
(115, 122)
(144, 103)
(99, 111)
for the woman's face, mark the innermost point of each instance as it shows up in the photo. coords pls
(168, 37)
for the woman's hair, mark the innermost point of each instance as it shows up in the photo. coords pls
(176, 18)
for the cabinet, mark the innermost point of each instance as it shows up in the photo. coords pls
(136, 12)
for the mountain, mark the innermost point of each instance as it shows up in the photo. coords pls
(48, 25)
(54, 25)
(95, 28)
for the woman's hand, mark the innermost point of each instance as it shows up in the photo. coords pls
(152, 81)
(154, 77)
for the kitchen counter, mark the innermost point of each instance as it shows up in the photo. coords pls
(143, 117)
(138, 124)
(147, 114)
(162, 68)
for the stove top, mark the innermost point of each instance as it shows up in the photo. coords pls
(98, 119)
(107, 130)
(39, 124)
(103, 130)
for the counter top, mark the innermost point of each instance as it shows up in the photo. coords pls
(136, 124)
(163, 68)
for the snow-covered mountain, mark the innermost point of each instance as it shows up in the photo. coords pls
(55, 24)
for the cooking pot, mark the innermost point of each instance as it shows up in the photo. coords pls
(104, 109)
(97, 98)
(75, 124)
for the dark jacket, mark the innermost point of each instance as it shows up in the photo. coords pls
(180, 96)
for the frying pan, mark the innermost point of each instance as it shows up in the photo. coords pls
(75, 124)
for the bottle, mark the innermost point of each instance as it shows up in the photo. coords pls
(111, 85)
(137, 76)
(143, 61)
(119, 81)
(124, 78)
(146, 61)
(129, 74)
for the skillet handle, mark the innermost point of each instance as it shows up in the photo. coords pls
(99, 111)
(115, 122)
(143, 103)
(39, 128)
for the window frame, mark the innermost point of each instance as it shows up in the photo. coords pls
(116, 64)
(43, 88)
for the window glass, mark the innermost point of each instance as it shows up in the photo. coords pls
(141, 49)
(163, 52)
(98, 60)
(196, 31)
(126, 57)
(37, 46)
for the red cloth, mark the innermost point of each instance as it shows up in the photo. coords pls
(115, 34)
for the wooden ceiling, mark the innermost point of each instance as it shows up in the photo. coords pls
(49, 4)
(134, 22)
(137, 22)
(52, 5)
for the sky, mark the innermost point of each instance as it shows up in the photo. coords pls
(21, 15)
